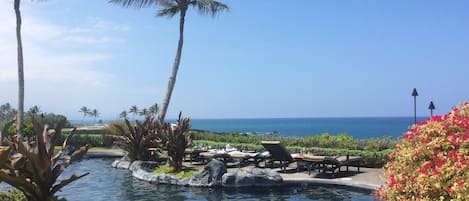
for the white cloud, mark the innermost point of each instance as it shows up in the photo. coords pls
(50, 49)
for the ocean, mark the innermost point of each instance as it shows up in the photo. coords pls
(359, 128)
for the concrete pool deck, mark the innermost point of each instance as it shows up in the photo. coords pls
(367, 178)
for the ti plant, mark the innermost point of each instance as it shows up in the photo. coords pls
(32, 166)
(175, 141)
(137, 138)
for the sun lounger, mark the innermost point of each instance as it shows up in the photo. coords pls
(278, 153)
(333, 164)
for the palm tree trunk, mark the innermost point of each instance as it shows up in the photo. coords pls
(177, 60)
(20, 112)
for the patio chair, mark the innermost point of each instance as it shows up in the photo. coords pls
(278, 153)
(333, 164)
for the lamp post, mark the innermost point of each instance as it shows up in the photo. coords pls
(431, 107)
(415, 94)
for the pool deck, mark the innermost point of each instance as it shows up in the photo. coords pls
(367, 178)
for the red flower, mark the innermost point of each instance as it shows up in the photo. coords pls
(448, 189)
(453, 154)
(460, 182)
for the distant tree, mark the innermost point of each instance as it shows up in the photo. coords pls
(153, 110)
(123, 114)
(134, 110)
(170, 8)
(85, 110)
(34, 110)
(144, 112)
(94, 113)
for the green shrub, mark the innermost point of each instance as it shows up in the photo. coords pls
(184, 173)
(19, 196)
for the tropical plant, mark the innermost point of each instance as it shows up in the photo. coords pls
(32, 167)
(170, 8)
(94, 113)
(123, 114)
(431, 162)
(153, 110)
(134, 109)
(176, 140)
(144, 112)
(34, 110)
(85, 110)
(136, 139)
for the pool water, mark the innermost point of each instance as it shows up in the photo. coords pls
(105, 183)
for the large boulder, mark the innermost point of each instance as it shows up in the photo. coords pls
(252, 177)
(210, 176)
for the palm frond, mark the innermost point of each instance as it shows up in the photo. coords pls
(209, 7)
(169, 10)
(136, 3)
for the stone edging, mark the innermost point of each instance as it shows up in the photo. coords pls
(268, 177)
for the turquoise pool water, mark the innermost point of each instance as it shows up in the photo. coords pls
(108, 184)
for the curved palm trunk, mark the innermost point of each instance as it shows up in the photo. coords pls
(20, 112)
(174, 72)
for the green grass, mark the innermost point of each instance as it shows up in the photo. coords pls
(185, 173)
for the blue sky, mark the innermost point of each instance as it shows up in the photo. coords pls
(298, 58)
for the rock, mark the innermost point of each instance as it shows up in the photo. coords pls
(252, 177)
(210, 176)
(121, 164)
(144, 170)
(148, 166)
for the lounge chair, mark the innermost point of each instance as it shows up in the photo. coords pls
(278, 153)
(333, 164)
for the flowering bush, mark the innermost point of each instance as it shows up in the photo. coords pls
(431, 161)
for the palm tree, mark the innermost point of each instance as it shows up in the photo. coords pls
(34, 110)
(85, 110)
(144, 112)
(94, 113)
(134, 110)
(153, 110)
(170, 8)
(20, 112)
(123, 114)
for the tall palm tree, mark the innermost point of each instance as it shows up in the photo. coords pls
(94, 113)
(123, 114)
(144, 112)
(170, 8)
(153, 110)
(134, 110)
(85, 110)
(20, 112)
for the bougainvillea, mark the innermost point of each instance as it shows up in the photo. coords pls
(431, 162)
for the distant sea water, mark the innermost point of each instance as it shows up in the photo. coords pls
(359, 128)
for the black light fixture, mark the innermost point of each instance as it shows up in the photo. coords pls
(431, 107)
(415, 94)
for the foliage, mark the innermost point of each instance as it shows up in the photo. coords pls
(431, 161)
(95, 140)
(31, 166)
(325, 140)
(175, 141)
(136, 139)
(12, 196)
(19, 196)
(184, 173)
